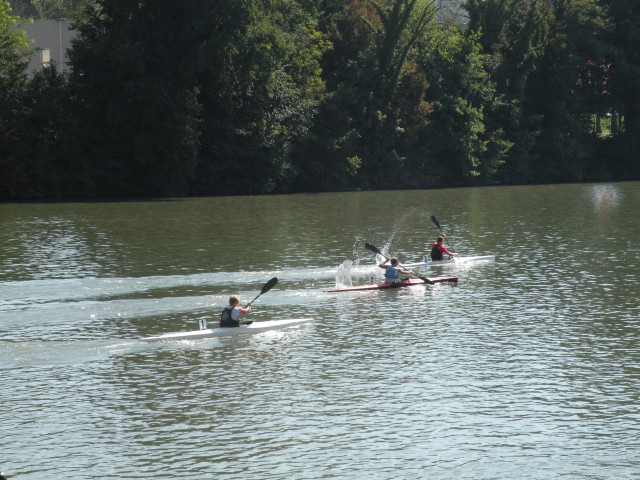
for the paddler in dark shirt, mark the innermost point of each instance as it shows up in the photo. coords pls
(230, 316)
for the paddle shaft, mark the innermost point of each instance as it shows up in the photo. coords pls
(435, 221)
(424, 279)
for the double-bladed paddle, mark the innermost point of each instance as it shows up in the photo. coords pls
(435, 221)
(375, 249)
(267, 286)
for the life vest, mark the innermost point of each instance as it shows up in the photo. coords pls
(436, 253)
(226, 320)
(391, 273)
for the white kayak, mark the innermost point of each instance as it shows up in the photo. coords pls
(427, 262)
(255, 327)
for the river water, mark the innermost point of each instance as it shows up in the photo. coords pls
(527, 368)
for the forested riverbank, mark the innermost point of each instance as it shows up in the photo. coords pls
(252, 97)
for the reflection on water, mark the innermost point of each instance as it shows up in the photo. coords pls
(604, 197)
(528, 368)
(57, 248)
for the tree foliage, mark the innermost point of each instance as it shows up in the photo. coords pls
(260, 93)
(255, 96)
(13, 82)
(466, 146)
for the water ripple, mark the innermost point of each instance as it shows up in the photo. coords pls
(528, 368)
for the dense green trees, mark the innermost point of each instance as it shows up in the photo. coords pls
(464, 141)
(550, 60)
(363, 128)
(254, 96)
(260, 87)
(13, 82)
(621, 60)
(195, 96)
(134, 77)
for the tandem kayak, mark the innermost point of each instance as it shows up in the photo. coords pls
(255, 327)
(381, 286)
(427, 262)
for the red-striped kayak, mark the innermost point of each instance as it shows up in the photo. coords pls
(380, 286)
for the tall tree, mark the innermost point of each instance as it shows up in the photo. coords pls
(133, 74)
(559, 95)
(260, 91)
(622, 63)
(397, 28)
(330, 157)
(49, 136)
(463, 145)
(377, 90)
(14, 55)
(514, 35)
(623, 37)
(403, 23)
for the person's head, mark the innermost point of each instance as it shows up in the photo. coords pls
(440, 239)
(394, 261)
(234, 300)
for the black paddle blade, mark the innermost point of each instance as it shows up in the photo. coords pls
(269, 285)
(437, 224)
(435, 221)
(373, 249)
(426, 280)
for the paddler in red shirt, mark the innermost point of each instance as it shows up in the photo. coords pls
(438, 250)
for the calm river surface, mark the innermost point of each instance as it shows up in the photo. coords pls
(528, 368)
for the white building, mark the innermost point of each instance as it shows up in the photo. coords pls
(52, 40)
